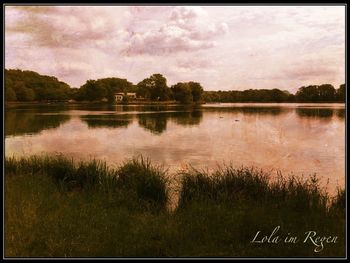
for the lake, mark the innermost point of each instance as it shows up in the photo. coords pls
(299, 139)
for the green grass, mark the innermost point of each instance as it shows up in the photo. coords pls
(235, 186)
(231, 205)
(57, 207)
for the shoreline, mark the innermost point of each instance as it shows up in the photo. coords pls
(99, 103)
(154, 103)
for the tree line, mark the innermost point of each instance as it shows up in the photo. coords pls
(31, 86)
(154, 88)
(312, 93)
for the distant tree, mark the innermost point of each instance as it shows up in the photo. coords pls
(25, 94)
(182, 92)
(196, 91)
(340, 93)
(92, 91)
(314, 93)
(251, 95)
(41, 87)
(10, 95)
(278, 95)
(154, 88)
(308, 94)
(95, 90)
(291, 98)
(110, 96)
(144, 88)
(211, 96)
(116, 84)
(161, 90)
(326, 92)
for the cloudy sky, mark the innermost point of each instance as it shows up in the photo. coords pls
(222, 47)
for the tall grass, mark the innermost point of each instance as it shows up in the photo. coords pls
(339, 201)
(224, 184)
(228, 184)
(148, 180)
(227, 207)
(150, 183)
(56, 206)
(137, 175)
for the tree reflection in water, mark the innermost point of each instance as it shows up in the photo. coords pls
(31, 122)
(315, 113)
(106, 120)
(157, 122)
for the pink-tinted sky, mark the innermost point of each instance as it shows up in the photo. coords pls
(222, 47)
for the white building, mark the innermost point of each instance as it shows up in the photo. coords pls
(119, 96)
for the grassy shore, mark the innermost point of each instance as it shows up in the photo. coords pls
(56, 207)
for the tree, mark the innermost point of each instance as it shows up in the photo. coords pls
(182, 92)
(196, 91)
(10, 95)
(125, 99)
(154, 88)
(340, 93)
(326, 92)
(308, 94)
(314, 93)
(278, 95)
(41, 87)
(92, 91)
(25, 94)
(161, 91)
(144, 88)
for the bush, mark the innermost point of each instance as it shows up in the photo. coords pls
(149, 181)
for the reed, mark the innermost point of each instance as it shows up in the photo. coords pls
(59, 207)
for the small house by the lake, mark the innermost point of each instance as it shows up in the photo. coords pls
(119, 96)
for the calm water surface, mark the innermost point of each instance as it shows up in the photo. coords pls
(293, 138)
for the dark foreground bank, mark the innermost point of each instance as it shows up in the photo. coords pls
(55, 207)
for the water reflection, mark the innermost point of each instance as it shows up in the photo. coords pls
(290, 138)
(106, 120)
(258, 110)
(340, 113)
(127, 108)
(316, 113)
(31, 122)
(187, 118)
(153, 118)
(157, 122)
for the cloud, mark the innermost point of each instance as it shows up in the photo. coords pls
(183, 30)
(63, 26)
(222, 47)
(310, 71)
(194, 63)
